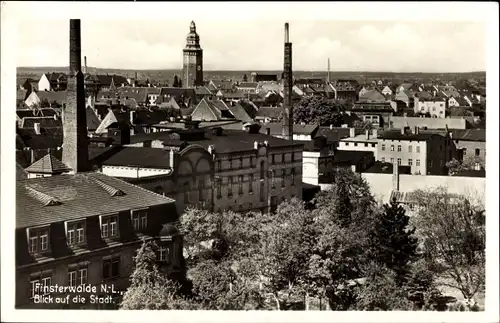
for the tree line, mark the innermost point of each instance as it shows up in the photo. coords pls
(345, 252)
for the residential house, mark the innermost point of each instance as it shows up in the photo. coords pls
(85, 229)
(379, 114)
(203, 92)
(345, 90)
(366, 141)
(458, 101)
(216, 85)
(405, 96)
(216, 110)
(372, 96)
(436, 107)
(399, 122)
(53, 82)
(387, 90)
(248, 87)
(425, 153)
(300, 132)
(268, 114)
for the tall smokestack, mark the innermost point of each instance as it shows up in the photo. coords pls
(328, 75)
(287, 123)
(75, 141)
(85, 65)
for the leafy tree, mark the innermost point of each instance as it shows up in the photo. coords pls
(176, 81)
(150, 289)
(245, 78)
(452, 229)
(468, 163)
(318, 110)
(392, 241)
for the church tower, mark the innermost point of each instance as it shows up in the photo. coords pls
(192, 68)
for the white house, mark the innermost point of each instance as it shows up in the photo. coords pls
(365, 142)
(435, 107)
(44, 83)
(387, 90)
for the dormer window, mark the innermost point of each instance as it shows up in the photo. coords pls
(75, 232)
(139, 219)
(109, 226)
(38, 240)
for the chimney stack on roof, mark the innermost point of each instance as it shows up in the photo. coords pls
(37, 128)
(171, 156)
(402, 130)
(352, 132)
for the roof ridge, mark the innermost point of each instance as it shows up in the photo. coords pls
(44, 198)
(108, 188)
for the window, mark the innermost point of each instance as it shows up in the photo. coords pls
(465, 151)
(347, 144)
(410, 148)
(38, 240)
(219, 191)
(39, 283)
(366, 144)
(139, 219)
(252, 161)
(75, 233)
(477, 152)
(373, 145)
(262, 192)
(410, 161)
(200, 189)
(418, 149)
(272, 159)
(293, 157)
(272, 179)
(77, 274)
(399, 161)
(162, 253)
(218, 167)
(111, 267)
(399, 148)
(383, 147)
(109, 226)
(392, 160)
(262, 173)
(241, 162)
(355, 144)
(292, 173)
(240, 184)
(186, 193)
(250, 206)
(382, 159)
(283, 174)
(230, 187)
(392, 147)
(250, 183)
(417, 162)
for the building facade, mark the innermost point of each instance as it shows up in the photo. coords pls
(192, 68)
(425, 153)
(435, 107)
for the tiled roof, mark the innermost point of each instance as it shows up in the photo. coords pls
(149, 117)
(20, 172)
(53, 77)
(105, 80)
(334, 134)
(265, 77)
(45, 122)
(345, 85)
(298, 129)
(373, 106)
(146, 157)
(229, 141)
(248, 85)
(48, 165)
(49, 138)
(351, 157)
(80, 196)
(268, 112)
(403, 197)
(177, 93)
(372, 95)
(424, 95)
(21, 95)
(202, 91)
(397, 135)
(235, 94)
(462, 134)
(30, 113)
(52, 96)
(222, 85)
(92, 120)
(239, 112)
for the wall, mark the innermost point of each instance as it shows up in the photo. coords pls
(357, 145)
(430, 123)
(471, 147)
(385, 154)
(310, 167)
(44, 84)
(381, 184)
(437, 109)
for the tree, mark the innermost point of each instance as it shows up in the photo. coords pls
(150, 289)
(392, 241)
(452, 229)
(318, 110)
(245, 78)
(180, 83)
(468, 163)
(176, 81)
(364, 125)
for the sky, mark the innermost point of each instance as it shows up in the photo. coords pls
(393, 45)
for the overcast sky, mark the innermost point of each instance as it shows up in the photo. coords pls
(257, 44)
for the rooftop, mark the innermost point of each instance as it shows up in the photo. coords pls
(397, 135)
(361, 138)
(42, 201)
(146, 157)
(48, 164)
(387, 168)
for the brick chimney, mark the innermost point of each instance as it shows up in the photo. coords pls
(287, 122)
(352, 132)
(171, 156)
(37, 128)
(74, 117)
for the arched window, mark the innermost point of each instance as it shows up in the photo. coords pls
(262, 173)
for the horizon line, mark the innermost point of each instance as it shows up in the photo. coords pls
(248, 70)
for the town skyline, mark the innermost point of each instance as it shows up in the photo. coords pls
(351, 46)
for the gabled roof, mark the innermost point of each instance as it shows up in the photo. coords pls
(397, 135)
(92, 120)
(48, 165)
(107, 80)
(239, 112)
(45, 122)
(49, 138)
(21, 95)
(78, 196)
(108, 120)
(298, 129)
(222, 84)
(56, 76)
(268, 112)
(203, 90)
(248, 85)
(52, 96)
(373, 96)
(149, 117)
(31, 113)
